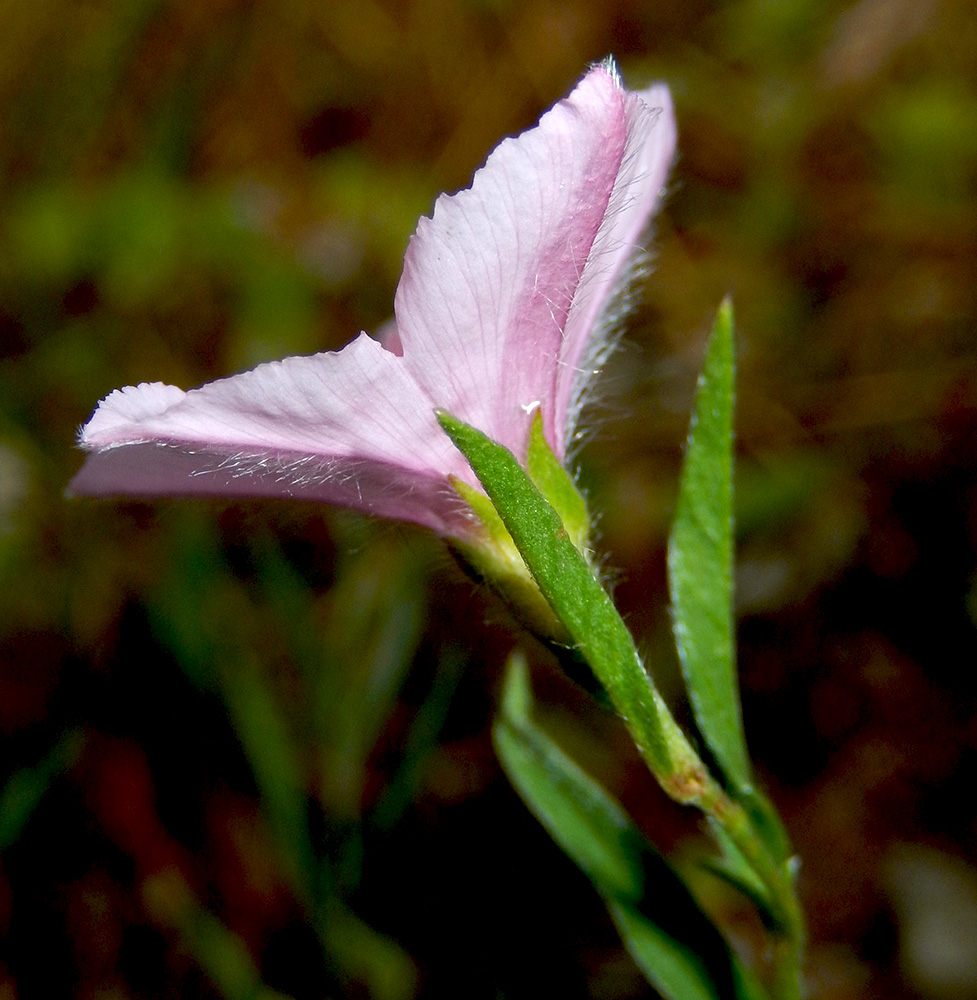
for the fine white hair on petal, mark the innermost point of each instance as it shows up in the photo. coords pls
(609, 65)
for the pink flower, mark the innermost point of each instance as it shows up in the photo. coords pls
(504, 307)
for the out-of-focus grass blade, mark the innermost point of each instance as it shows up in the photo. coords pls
(700, 560)
(368, 957)
(679, 950)
(221, 954)
(275, 761)
(371, 623)
(191, 613)
(213, 629)
(421, 740)
(25, 788)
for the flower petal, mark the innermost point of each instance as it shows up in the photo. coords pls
(495, 313)
(349, 427)
(490, 279)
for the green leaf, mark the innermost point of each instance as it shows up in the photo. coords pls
(666, 965)
(569, 585)
(700, 560)
(579, 815)
(678, 949)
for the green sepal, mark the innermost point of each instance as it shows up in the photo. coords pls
(700, 560)
(497, 561)
(496, 558)
(676, 946)
(480, 504)
(557, 485)
(567, 582)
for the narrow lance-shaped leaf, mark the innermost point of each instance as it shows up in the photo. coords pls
(700, 558)
(679, 950)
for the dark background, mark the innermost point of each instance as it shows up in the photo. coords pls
(246, 746)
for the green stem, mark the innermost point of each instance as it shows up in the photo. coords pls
(551, 564)
(785, 909)
(690, 783)
(685, 778)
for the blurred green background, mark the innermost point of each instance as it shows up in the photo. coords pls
(245, 746)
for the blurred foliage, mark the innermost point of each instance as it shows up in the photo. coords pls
(246, 747)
